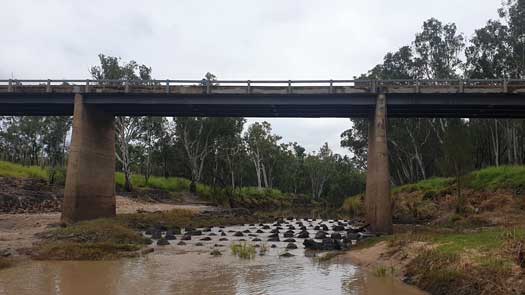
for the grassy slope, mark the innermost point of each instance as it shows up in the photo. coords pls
(8, 169)
(246, 196)
(460, 260)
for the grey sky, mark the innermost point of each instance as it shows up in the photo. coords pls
(235, 39)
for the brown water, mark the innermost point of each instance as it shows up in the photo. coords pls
(190, 269)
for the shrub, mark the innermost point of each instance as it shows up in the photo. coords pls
(354, 205)
(244, 251)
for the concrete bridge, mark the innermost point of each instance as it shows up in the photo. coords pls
(90, 183)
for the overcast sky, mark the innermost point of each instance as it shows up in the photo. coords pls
(235, 39)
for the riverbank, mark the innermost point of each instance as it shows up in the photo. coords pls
(20, 231)
(476, 261)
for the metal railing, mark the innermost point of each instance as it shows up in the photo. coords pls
(209, 85)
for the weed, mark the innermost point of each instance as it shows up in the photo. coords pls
(243, 250)
(354, 206)
(380, 271)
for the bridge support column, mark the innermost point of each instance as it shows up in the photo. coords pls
(378, 204)
(90, 179)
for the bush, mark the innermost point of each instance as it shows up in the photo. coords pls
(354, 205)
(243, 251)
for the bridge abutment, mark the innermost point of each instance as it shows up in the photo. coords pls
(90, 181)
(378, 205)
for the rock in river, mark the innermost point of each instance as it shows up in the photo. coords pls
(170, 236)
(163, 242)
(303, 235)
(320, 235)
(291, 246)
(288, 234)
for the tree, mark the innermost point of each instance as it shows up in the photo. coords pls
(194, 134)
(127, 128)
(259, 142)
(151, 132)
(320, 168)
(54, 139)
(458, 152)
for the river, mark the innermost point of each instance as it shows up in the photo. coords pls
(190, 269)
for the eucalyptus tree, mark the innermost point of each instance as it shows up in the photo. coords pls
(127, 128)
(320, 167)
(260, 144)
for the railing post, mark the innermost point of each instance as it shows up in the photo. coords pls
(373, 86)
(331, 86)
(48, 86)
(289, 86)
(505, 86)
(126, 86)
(418, 86)
(167, 86)
(208, 87)
(10, 86)
(249, 87)
(461, 86)
(87, 86)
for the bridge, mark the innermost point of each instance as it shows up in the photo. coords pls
(90, 184)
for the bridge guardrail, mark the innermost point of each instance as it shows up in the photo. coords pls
(208, 86)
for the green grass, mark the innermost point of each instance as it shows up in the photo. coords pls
(494, 178)
(243, 250)
(174, 184)
(8, 169)
(483, 241)
(353, 206)
(488, 179)
(431, 184)
(249, 197)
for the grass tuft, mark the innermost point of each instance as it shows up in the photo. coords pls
(243, 250)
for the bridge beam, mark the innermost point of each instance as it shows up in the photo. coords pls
(378, 204)
(90, 181)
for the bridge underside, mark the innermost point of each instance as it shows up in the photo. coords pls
(282, 105)
(90, 187)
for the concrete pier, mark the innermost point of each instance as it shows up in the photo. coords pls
(378, 204)
(90, 181)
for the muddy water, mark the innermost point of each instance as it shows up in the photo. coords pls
(190, 269)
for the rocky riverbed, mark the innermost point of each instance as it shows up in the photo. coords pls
(288, 234)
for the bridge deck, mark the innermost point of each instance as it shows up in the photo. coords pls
(313, 98)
